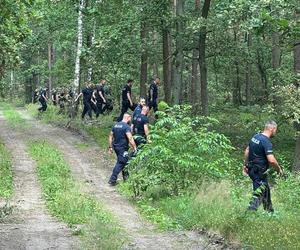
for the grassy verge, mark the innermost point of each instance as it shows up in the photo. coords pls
(6, 178)
(66, 200)
(12, 116)
(98, 130)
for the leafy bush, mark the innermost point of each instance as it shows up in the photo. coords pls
(184, 151)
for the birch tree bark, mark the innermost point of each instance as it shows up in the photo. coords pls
(79, 45)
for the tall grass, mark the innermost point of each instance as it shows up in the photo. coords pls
(67, 201)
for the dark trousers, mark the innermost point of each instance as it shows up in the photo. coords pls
(87, 109)
(99, 105)
(261, 189)
(44, 106)
(152, 104)
(124, 109)
(122, 159)
(94, 108)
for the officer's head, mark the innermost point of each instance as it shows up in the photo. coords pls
(142, 101)
(145, 110)
(270, 128)
(130, 82)
(157, 80)
(126, 118)
(103, 81)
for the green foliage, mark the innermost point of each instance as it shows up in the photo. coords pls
(6, 178)
(215, 207)
(287, 102)
(67, 201)
(162, 106)
(184, 151)
(12, 116)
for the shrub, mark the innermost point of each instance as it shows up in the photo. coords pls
(184, 151)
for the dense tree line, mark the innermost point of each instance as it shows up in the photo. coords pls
(208, 53)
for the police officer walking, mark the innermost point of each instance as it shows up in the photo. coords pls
(87, 93)
(100, 99)
(43, 100)
(137, 111)
(119, 139)
(258, 157)
(126, 99)
(140, 127)
(153, 94)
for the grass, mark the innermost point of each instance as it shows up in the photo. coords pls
(12, 116)
(66, 200)
(98, 130)
(6, 177)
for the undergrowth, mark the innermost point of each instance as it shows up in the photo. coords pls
(66, 200)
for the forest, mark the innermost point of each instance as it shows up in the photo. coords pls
(226, 68)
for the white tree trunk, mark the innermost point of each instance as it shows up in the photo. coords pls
(79, 44)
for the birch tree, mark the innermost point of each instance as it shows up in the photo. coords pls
(79, 44)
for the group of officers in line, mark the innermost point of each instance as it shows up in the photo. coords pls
(133, 130)
(129, 129)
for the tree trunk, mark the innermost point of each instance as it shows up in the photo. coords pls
(50, 62)
(91, 43)
(249, 69)
(296, 166)
(263, 75)
(236, 94)
(178, 63)
(79, 45)
(144, 59)
(202, 60)
(276, 52)
(167, 63)
(195, 84)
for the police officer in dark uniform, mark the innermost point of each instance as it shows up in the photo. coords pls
(87, 93)
(140, 127)
(100, 97)
(126, 99)
(258, 157)
(43, 100)
(153, 94)
(119, 139)
(54, 97)
(137, 111)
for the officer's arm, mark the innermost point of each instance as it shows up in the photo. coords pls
(246, 159)
(110, 141)
(131, 140)
(129, 98)
(274, 163)
(146, 129)
(101, 95)
(78, 97)
(151, 94)
(45, 98)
